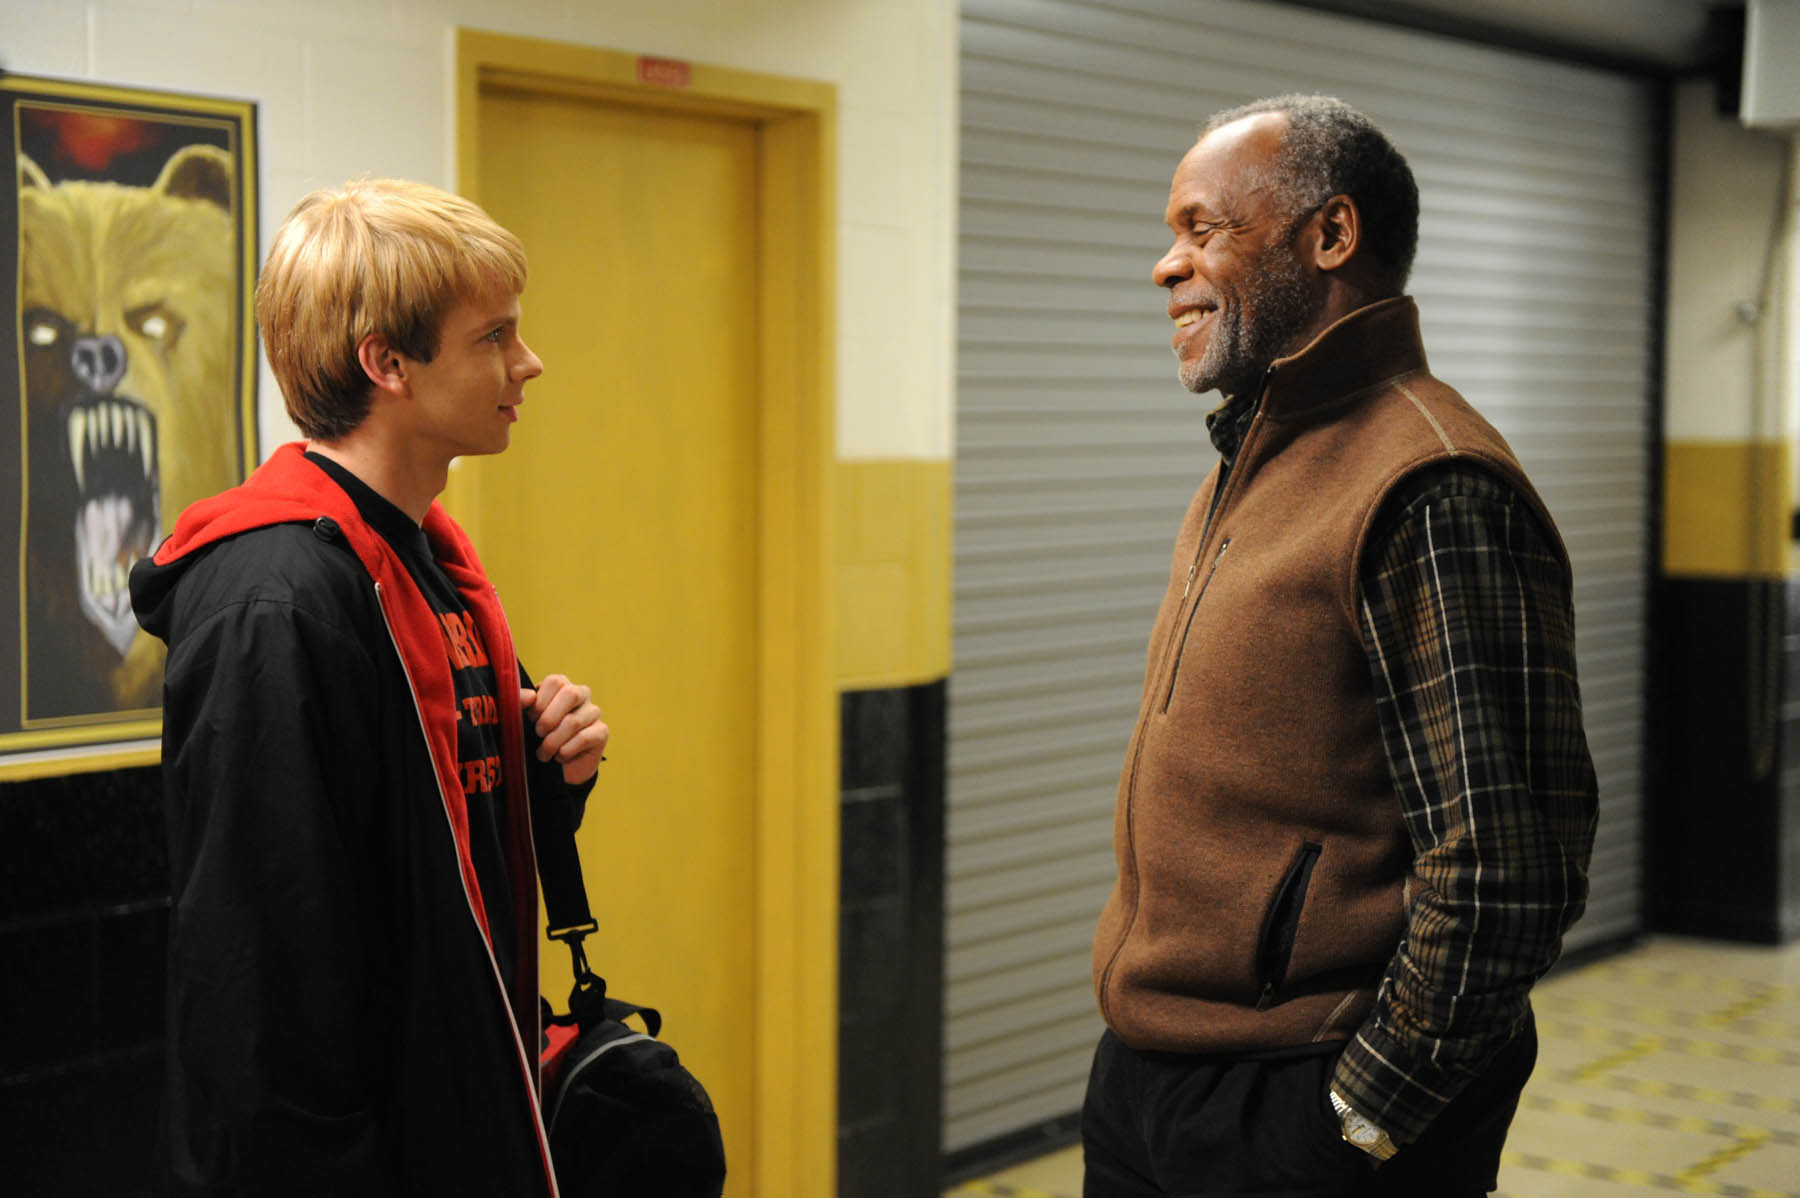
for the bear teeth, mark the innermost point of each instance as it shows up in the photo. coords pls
(77, 429)
(100, 426)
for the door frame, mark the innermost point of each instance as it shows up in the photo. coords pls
(794, 991)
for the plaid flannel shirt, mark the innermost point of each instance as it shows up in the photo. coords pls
(1469, 629)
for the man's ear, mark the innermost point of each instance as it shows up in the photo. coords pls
(385, 365)
(1336, 235)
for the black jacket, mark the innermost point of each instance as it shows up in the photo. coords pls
(336, 1022)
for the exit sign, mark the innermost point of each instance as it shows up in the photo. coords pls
(665, 72)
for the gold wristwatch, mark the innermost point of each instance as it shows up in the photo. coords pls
(1359, 1132)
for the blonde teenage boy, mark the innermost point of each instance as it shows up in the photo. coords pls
(350, 748)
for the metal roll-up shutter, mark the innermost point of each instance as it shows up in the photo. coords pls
(1077, 449)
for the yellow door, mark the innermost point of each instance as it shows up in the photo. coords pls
(620, 529)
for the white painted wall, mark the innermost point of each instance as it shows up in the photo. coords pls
(352, 87)
(1787, 347)
(1730, 186)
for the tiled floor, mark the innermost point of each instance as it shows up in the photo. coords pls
(1672, 1068)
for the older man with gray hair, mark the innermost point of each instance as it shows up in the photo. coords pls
(1356, 812)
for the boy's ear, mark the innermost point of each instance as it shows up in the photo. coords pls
(385, 365)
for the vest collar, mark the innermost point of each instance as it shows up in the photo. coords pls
(1370, 345)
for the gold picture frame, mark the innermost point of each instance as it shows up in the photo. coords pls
(131, 246)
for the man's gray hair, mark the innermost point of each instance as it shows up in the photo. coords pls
(1332, 149)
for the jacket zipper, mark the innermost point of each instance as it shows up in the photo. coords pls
(1275, 948)
(1175, 669)
(1137, 746)
(1230, 475)
(526, 1061)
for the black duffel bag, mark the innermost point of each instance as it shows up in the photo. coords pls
(626, 1119)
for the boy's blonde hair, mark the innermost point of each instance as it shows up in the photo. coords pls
(382, 256)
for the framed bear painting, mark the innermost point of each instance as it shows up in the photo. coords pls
(128, 377)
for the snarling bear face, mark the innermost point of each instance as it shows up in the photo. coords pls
(127, 302)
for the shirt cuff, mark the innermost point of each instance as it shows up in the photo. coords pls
(1380, 1079)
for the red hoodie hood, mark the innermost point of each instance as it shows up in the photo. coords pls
(289, 489)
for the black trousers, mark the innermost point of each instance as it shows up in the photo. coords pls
(1164, 1125)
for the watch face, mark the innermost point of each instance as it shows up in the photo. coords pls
(1362, 1134)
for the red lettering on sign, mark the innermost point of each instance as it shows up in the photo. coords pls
(665, 72)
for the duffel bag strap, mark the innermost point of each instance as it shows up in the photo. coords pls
(565, 895)
(559, 869)
(617, 1009)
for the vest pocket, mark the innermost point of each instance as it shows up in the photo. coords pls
(1275, 947)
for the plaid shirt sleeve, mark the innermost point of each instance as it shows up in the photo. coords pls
(1469, 629)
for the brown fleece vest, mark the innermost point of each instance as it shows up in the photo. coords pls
(1261, 853)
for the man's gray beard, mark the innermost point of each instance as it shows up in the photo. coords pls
(1237, 355)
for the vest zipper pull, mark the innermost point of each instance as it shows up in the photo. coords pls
(1190, 579)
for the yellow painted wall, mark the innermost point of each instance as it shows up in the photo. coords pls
(893, 572)
(1725, 509)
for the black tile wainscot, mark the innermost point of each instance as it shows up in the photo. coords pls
(1724, 823)
(891, 934)
(84, 909)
